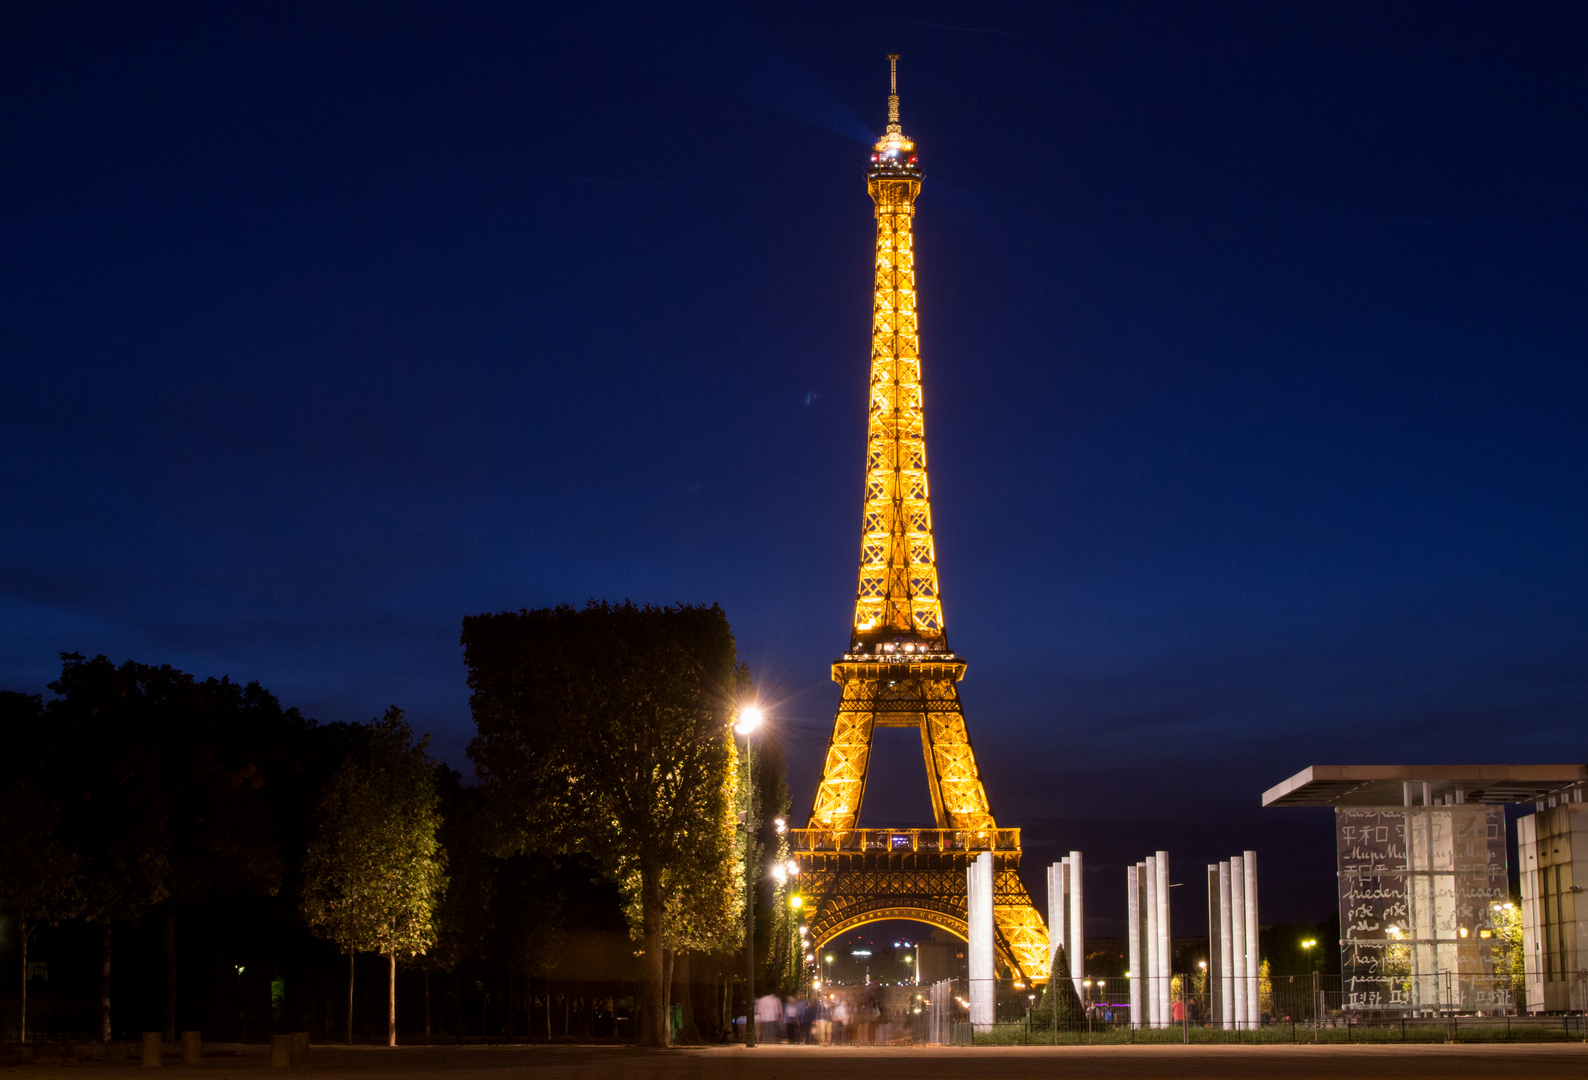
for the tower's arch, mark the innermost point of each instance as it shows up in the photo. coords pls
(884, 910)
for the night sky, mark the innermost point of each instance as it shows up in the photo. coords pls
(1254, 348)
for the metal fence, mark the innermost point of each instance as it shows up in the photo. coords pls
(1300, 1008)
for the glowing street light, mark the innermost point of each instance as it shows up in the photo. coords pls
(750, 717)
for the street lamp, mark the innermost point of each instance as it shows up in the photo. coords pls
(1317, 998)
(750, 718)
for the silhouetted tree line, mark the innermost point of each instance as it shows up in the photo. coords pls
(186, 854)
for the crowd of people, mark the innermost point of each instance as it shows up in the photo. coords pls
(838, 1016)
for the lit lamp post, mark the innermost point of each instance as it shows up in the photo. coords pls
(1317, 1013)
(750, 717)
(910, 961)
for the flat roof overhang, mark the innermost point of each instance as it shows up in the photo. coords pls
(1385, 785)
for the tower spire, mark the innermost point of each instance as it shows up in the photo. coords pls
(893, 93)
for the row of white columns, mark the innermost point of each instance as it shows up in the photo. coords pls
(1147, 908)
(1233, 965)
(1232, 921)
(1065, 923)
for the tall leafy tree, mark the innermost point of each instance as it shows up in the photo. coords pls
(39, 880)
(102, 760)
(464, 916)
(38, 874)
(162, 778)
(219, 839)
(602, 730)
(374, 872)
(703, 894)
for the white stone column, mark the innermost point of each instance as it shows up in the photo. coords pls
(1532, 912)
(1151, 872)
(1254, 994)
(1066, 871)
(1226, 954)
(1215, 1001)
(1076, 940)
(1133, 917)
(1238, 937)
(1055, 915)
(1165, 1012)
(983, 967)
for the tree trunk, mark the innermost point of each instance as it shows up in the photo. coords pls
(391, 1001)
(427, 1003)
(669, 965)
(350, 957)
(689, 1031)
(509, 1030)
(653, 1032)
(25, 931)
(457, 996)
(548, 1011)
(170, 971)
(104, 984)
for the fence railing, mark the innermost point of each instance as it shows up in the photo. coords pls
(1298, 1008)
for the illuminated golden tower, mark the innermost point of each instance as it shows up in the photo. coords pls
(899, 670)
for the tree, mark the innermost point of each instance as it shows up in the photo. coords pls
(101, 760)
(703, 906)
(163, 775)
(779, 963)
(374, 872)
(602, 730)
(219, 838)
(1510, 958)
(463, 917)
(38, 874)
(1065, 1003)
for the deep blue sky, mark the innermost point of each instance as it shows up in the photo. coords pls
(1254, 344)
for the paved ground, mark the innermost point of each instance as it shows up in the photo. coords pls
(1488, 1062)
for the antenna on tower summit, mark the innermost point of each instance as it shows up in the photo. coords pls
(893, 91)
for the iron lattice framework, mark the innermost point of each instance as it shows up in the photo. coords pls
(899, 670)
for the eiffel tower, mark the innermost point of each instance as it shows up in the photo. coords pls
(899, 670)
